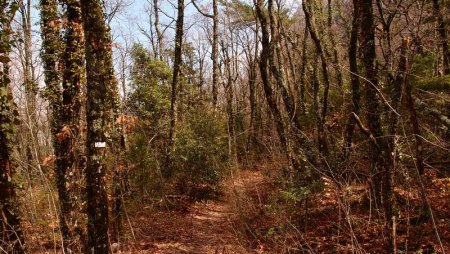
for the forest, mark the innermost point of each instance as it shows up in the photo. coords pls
(224, 126)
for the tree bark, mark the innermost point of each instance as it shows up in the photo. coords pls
(159, 35)
(30, 85)
(228, 85)
(263, 68)
(381, 153)
(11, 237)
(252, 143)
(304, 63)
(320, 50)
(178, 61)
(65, 103)
(354, 82)
(99, 115)
(442, 29)
(336, 61)
(68, 173)
(215, 53)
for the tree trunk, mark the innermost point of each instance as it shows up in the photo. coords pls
(336, 61)
(30, 85)
(268, 91)
(304, 63)
(252, 143)
(178, 61)
(11, 238)
(69, 173)
(354, 82)
(228, 85)
(442, 29)
(99, 115)
(320, 50)
(65, 107)
(381, 151)
(159, 35)
(215, 53)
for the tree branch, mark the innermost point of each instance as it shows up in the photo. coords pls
(201, 12)
(364, 129)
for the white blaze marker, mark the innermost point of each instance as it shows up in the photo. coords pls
(100, 144)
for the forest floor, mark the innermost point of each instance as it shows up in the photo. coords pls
(253, 217)
(254, 214)
(205, 227)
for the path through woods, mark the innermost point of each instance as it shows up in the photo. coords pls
(207, 227)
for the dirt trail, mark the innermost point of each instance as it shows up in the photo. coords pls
(206, 228)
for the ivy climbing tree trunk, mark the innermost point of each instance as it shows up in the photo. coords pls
(99, 116)
(11, 240)
(65, 101)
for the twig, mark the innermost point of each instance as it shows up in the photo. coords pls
(364, 129)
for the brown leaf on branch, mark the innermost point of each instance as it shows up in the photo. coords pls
(64, 134)
(48, 160)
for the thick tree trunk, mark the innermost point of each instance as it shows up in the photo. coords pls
(99, 115)
(65, 107)
(69, 173)
(11, 238)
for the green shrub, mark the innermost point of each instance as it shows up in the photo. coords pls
(434, 83)
(201, 153)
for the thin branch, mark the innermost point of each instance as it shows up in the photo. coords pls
(200, 11)
(364, 129)
(376, 88)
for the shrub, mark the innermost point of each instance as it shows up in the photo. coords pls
(201, 153)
